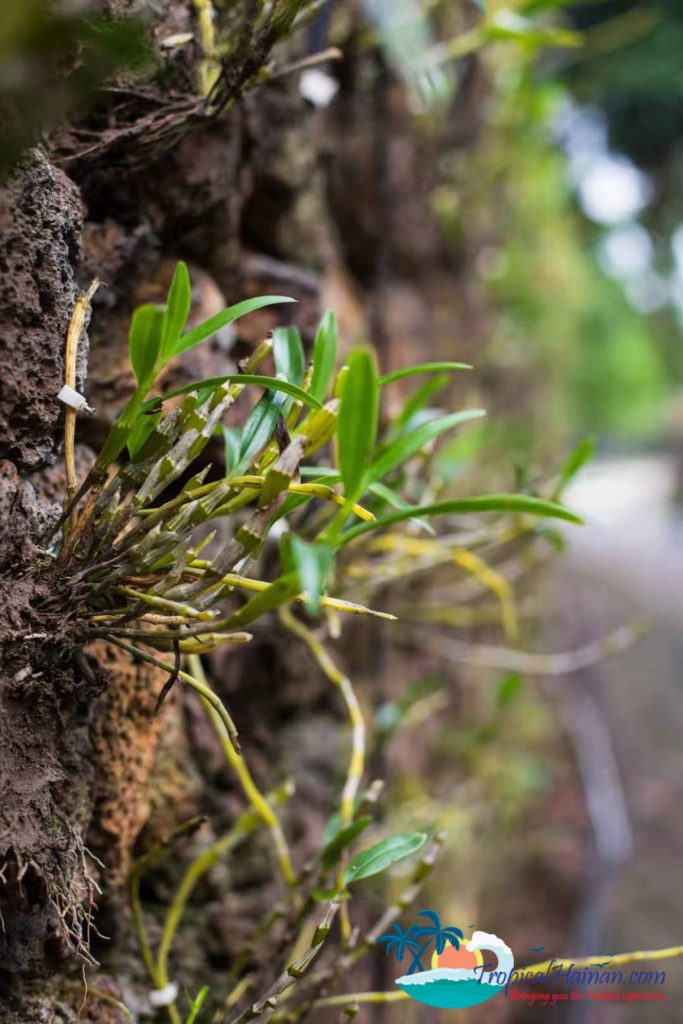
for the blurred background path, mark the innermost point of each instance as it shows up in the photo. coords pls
(628, 561)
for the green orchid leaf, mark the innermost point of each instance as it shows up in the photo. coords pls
(382, 855)
(576, 460)
(258, 429)
(415, 371)
(358, 415)
(415, 404)
(392, 498)
(332, 851)
(287, 566)
(517, 504)
(334, 822)
(288, 353)
(283, 590)
(143, 429)
(321, 474)
(324, 355)
(312, 563)
(392, 715)
(408, 445)
(177, 311)
(227, 316)
(144, 342)
(232, 441)
(508, 690)
(271, 383)
(196, 1004)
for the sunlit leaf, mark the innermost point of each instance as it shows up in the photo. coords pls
(196, 1005)
(507, 24)
(420, 368)
(281, 591)
(288, 353)
(382, 855)
(324, 355)
(227, 316)
(518, 504)
(358, 413)
(177, 310)
(413, 442)
(144, 341)
(271, 383)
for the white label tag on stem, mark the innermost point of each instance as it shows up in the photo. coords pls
(71, 397)
(164, 996)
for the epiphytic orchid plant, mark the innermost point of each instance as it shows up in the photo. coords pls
(152, 577)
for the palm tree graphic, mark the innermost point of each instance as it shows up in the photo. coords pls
(399, 941)
(433, 933)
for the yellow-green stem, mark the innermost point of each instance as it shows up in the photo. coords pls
(201, 688)
(249, 787)
(669, 953)
(356, 767)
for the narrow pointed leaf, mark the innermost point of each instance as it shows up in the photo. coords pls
(582, 454)
(393, 499)
(516, 504)
(270, 383)
(281, 591)
(408, 445)
(227, 316)
(357, 425)
(196, 1005)
(177, 310)
(288, 353)
(415, 371)
(321, 474)
(415, 403)
(144, 341)
(324, 355)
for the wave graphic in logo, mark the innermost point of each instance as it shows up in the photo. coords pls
(462, 976)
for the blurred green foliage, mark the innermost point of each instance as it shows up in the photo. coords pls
(631, 69)
(572, 352)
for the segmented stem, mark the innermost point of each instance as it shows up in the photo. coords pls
(264, 1008)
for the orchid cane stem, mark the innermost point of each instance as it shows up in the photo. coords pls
(357, 761)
